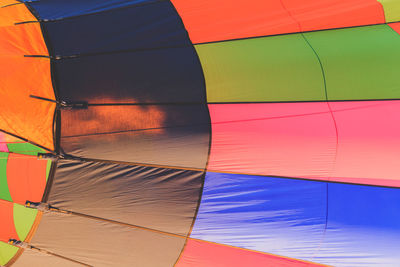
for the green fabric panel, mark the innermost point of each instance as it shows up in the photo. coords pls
(392, 9)
(24, 148)
(359, 63)
(276, 68)
(23, 220)
(4, 191)
(7, 252)
(48, 167)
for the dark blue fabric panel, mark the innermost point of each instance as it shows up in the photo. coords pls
(57, 9)
(140, 27)
(279, 216)
(363, 226)
(161, 75)
(288, 217)
(138, 54)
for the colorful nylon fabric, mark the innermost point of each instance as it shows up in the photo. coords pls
(199, 133)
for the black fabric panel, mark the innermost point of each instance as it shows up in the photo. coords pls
(170, 135)
(102, 244)
(135, 27)
(161, 199)
(160, 76)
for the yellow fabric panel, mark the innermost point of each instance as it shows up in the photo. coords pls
(392, 10)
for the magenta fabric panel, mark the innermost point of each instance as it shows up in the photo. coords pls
(278, 139)
(358, 143)
(369, 142)
(3, 144)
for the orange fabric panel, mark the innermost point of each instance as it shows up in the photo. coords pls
(23, 39)
(395, 26)
(26, 178)
(22, 76)
(328, 14)
(20, 114)
(210, 20)
(7, 228)
(8, 2)
(14, 14)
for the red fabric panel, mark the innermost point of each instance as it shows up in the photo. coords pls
(281, 139)
(204, 254)
(326, 14)
(369, 143)
(210, 20)
(7, 228)
(395, 26)
(26, 178)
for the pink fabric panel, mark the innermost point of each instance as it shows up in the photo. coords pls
(369, 142)
(281, 139)
(204, 254)
(3, 144)
(299, 140)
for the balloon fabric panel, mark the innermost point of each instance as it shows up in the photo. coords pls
(309, 220)
(346, 57)
(277, 68)
(282, 139)
(201, 253)
(165, 118)
(286, 139)
(23, 76)
(61, 9)
(395, 26)
(157, 198)
(392, 10)
(207, 21)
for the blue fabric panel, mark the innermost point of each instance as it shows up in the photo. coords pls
(363, 226)
(140, 27)
(288, 217)
(280, 216)
(57, 9)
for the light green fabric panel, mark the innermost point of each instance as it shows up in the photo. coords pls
(359, 63)
(24, 148)
(23, 220)
(48, 168)
(276, 68)
(7, 252)
(4, 191)
(392, 9)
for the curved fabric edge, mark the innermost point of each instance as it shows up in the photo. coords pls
(27, 76)
(310, 220)
(27, 239)
(199, 253)
(24, 177)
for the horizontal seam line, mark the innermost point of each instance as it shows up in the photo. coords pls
(291, 33)
(216, 171)
(14, 4)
